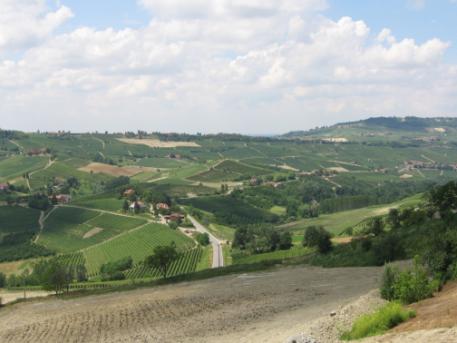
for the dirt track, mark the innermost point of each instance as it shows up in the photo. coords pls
(260, 307)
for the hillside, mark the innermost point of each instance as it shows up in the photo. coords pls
(376, 129)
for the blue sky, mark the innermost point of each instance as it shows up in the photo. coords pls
(249, 66)
(408, 19)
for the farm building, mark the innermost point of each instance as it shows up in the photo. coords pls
(174, 217)
(162, 206)
(4, 187)
(129, 192)
(62, 198)
(137, 206)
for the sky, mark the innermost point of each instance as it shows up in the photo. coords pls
(246, 66)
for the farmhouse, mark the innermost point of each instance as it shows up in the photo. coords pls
(162, 206)
(129, 192)
(137, 206)
(4, 187)
(62, 198)
(38, 152)
(174, 217)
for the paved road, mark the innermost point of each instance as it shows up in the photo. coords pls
(218, 257)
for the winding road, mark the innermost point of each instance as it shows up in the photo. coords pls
(218, 256)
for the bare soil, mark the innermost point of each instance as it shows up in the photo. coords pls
(92, 232)
(155, 143)
(259, 307)
(114, 170)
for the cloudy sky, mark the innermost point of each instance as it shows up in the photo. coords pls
(249, 66)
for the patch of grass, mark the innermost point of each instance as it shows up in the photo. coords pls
(222, 232)
(278, 210)
(378, 322)
(272, 256)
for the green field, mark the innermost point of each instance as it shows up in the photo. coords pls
(230, 170)
(102, 202)
(188, 262)
(16, 219)
(71, 229)
(138, 244)
(221, 231)
(16, 166)
(296, 251)
(337, 222)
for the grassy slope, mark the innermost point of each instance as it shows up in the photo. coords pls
(338, 222)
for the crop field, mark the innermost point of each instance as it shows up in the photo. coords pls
(18, 165)
(105, 202)
(229, 170)
(230, 211)
(138, 244)
(161, 162)
(337, 222)
(296, 251)
(101, 168)
(71, 229)
(63, 170)
(185, 264)
(15, 219)
(72, 260)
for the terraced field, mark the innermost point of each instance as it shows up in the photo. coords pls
(138, 244)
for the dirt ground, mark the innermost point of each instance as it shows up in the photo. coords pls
(10, 296)
(155, 143)
(114, 170)
(259, 307)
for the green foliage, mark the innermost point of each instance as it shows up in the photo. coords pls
(407, 286)
(318, 237)
(162, 258)
(377, 323)
(261, 239)
(202, 238)
(39, 201)
(114, 270)
(2, 280)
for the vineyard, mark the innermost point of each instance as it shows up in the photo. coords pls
(138, 244)
(187, 263)
(71, 229)
(72, 260)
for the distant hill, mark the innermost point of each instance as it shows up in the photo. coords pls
(393, 127)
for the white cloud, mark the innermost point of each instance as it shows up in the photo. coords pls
(24, 22)
(250, 66)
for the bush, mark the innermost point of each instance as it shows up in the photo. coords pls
(378, 322)
(121, 265)
(409, 286)
(2, 280)
(318, 237)
(202, 239)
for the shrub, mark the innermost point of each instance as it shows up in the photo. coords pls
(318, 237)
(387, 249)
(408, 286)
(2, 280)
(202, 239)
(121, 265)
(378, 322)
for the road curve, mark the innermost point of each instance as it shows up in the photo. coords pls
(218, 257)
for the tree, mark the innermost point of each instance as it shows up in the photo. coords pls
(394, 218)
(81, 273)
(162, 258)
(56, 277)
(317, 236)
(376, 226)
(285, 241)
(2, 280)
(125, 206)
(202, 238)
